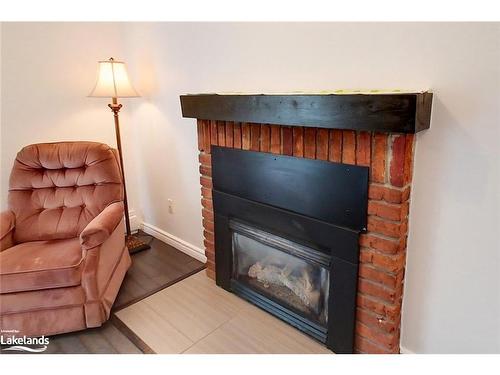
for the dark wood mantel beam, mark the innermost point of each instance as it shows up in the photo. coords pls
(384, 112)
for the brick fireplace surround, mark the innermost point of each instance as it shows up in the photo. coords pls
(382, 247)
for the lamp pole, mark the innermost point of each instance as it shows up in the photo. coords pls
(115, 107)
(134, 244)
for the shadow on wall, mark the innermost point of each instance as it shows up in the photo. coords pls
(152, 168)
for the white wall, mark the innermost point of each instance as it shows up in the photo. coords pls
(452, 296)
(48, 69)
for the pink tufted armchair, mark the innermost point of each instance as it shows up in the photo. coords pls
(63, 255)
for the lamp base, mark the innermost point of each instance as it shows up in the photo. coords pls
(134, 244)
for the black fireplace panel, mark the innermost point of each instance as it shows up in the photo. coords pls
(311, 232)
(280, 244)
(331, 192)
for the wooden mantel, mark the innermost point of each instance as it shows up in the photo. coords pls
(399, 112)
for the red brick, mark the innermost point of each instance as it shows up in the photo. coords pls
(206, 193)
(210, 256)
(206, 182)
(373, 320)
(286, 140)
(254, 137)
(388, 262)
(206, 135)
(377, 290)
(298, 141)
(265, 138)
(208, 215)
(365, 346)
(387, 210)
(387, 340)
(363, 148)
(205, 159)
(385, 245)
(237, 135)
(199, 129)
(208, 225)
(209, 236)
(210, 271)
(391, 280)
(221, 133)
(391, 312)
(379, 155)
(229, 134)
(408, 168)
(310, 143)
(213, 132)
(348, 147)
(275, 139)
(405, 210)
(397, 160)
(390, 195)
(209, 246)
(207, 204)
(387, 228)
(405, 195)
(206, 170)
(335, 146)
(211, 266)
(245, 136)
(322, 144)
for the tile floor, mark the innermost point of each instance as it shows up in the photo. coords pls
(195, 316)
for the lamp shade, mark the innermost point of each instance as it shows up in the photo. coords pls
(112, 81)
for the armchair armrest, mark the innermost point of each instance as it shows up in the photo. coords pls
(101, 227)
(7, 225)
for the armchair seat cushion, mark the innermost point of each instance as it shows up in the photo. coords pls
(40, 265)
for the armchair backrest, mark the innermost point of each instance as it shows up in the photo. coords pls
(56, 189)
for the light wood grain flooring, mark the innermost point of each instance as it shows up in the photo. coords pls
(197, 317)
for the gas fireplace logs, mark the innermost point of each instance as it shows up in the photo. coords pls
(301, 286)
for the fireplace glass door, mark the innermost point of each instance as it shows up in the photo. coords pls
(293, 275)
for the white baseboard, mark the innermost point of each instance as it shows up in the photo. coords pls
(185, 247)
(135, 223)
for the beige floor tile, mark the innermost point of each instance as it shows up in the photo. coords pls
(196, 316)
(155, 331)
(195, 306)
(254, 331)
(227, 340)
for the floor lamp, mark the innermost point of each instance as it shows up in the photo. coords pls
(113, 82)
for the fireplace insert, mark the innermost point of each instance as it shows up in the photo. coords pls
(286, 238)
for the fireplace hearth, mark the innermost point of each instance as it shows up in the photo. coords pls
(282, 246)
(309, 219)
